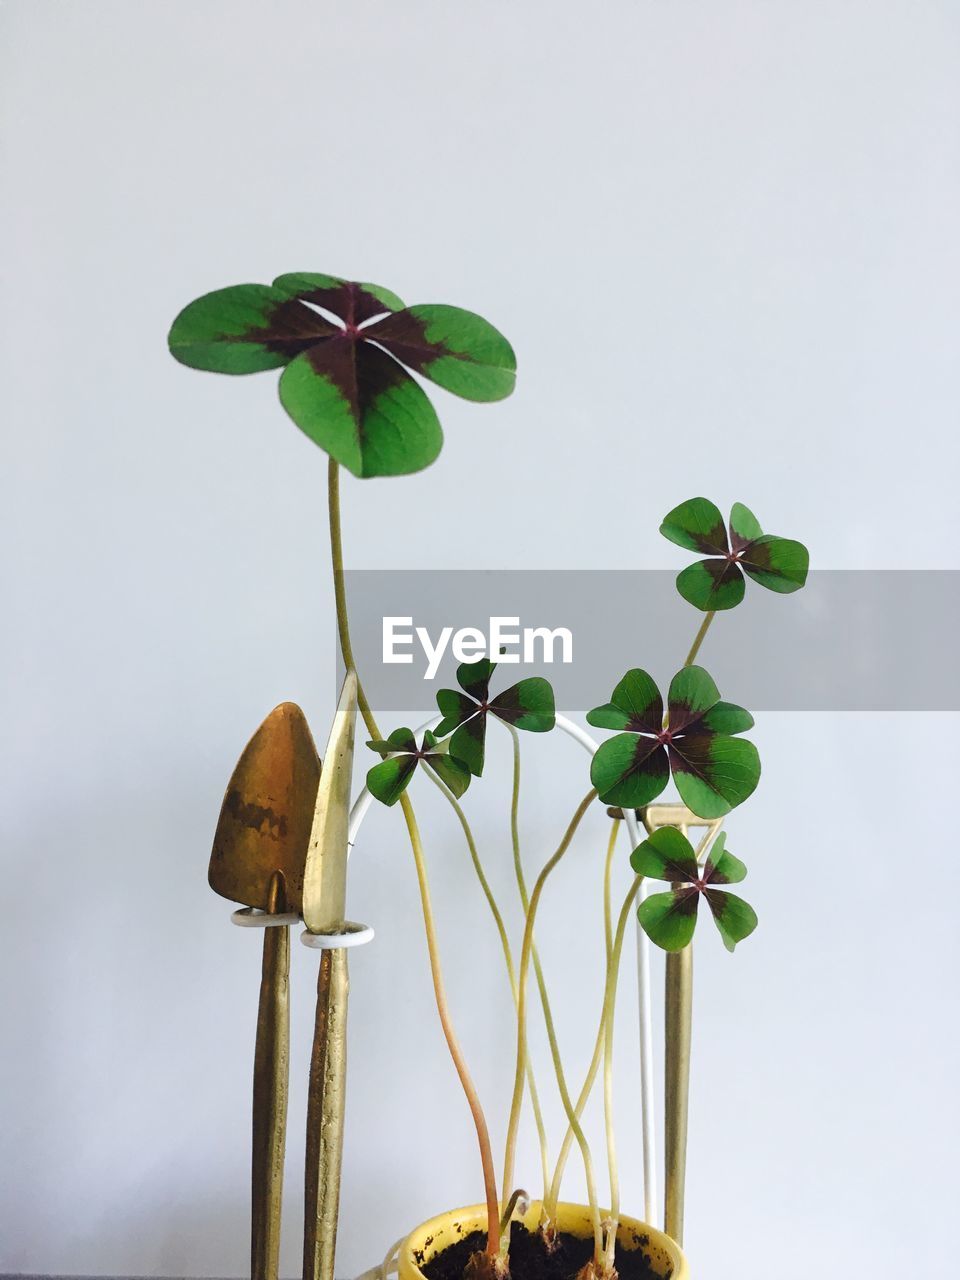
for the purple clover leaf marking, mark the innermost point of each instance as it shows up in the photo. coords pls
(669, 919)
(345, 349)
(713, 770)
(388, 780)
(529, 705)
(779, 564)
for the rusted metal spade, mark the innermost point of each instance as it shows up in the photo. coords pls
(324, 899)
(259, 859)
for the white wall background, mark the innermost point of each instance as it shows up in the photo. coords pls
(723, 238)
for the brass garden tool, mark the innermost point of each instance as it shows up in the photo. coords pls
(324, 906)
(678, 1018)
(259, 857)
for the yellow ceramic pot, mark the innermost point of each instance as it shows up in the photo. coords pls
(434, 1236)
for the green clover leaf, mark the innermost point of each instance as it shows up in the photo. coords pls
(529, 705)
(717, 583)
(345, 349)
(669, 919)
(713, 770)
(388, 780)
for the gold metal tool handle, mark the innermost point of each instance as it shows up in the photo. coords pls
(325, 1109)
(324, 897)
(271, 1072)
(679, 1011)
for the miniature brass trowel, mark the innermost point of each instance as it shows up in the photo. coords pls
(324, 898)
(259, 857)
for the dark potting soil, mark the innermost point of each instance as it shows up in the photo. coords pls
(530, 1260)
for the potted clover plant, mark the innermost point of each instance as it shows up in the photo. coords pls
(348, 353)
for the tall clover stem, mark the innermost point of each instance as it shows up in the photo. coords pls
(340, 593)
(545, 1217)
(525, 954)
(609, 998)
(507, 956)
(429, 924)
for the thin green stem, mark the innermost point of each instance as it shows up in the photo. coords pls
(429, 924)
(699, 638)
(573, 1119)
(607, 869)
(609, 996)
(549, 1023)
(507, 956)
(547, 1217)
(340, 594)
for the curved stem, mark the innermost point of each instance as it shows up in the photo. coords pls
(549, 1023)
(613, 971)
(507, 956)
(456, 1053)
(511, 1144)
(548, 1211)
(518, 1203)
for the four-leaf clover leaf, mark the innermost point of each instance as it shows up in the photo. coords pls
(717, 583)
(343, 347)
(388, 780)
(713, 770)
(528, 704)
(669, 919)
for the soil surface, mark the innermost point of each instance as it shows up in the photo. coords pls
(529, 1259)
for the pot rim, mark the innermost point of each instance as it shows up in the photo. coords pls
(437, 1233)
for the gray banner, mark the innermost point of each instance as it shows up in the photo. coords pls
(849, 641)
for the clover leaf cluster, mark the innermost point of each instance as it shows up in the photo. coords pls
(669, 919)
(346, 350)
(712, 769)
(779, 564)
(696, 740)
(529, 705)
(692, 737)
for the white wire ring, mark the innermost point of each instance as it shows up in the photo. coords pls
(254, 918)
(352, 935)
